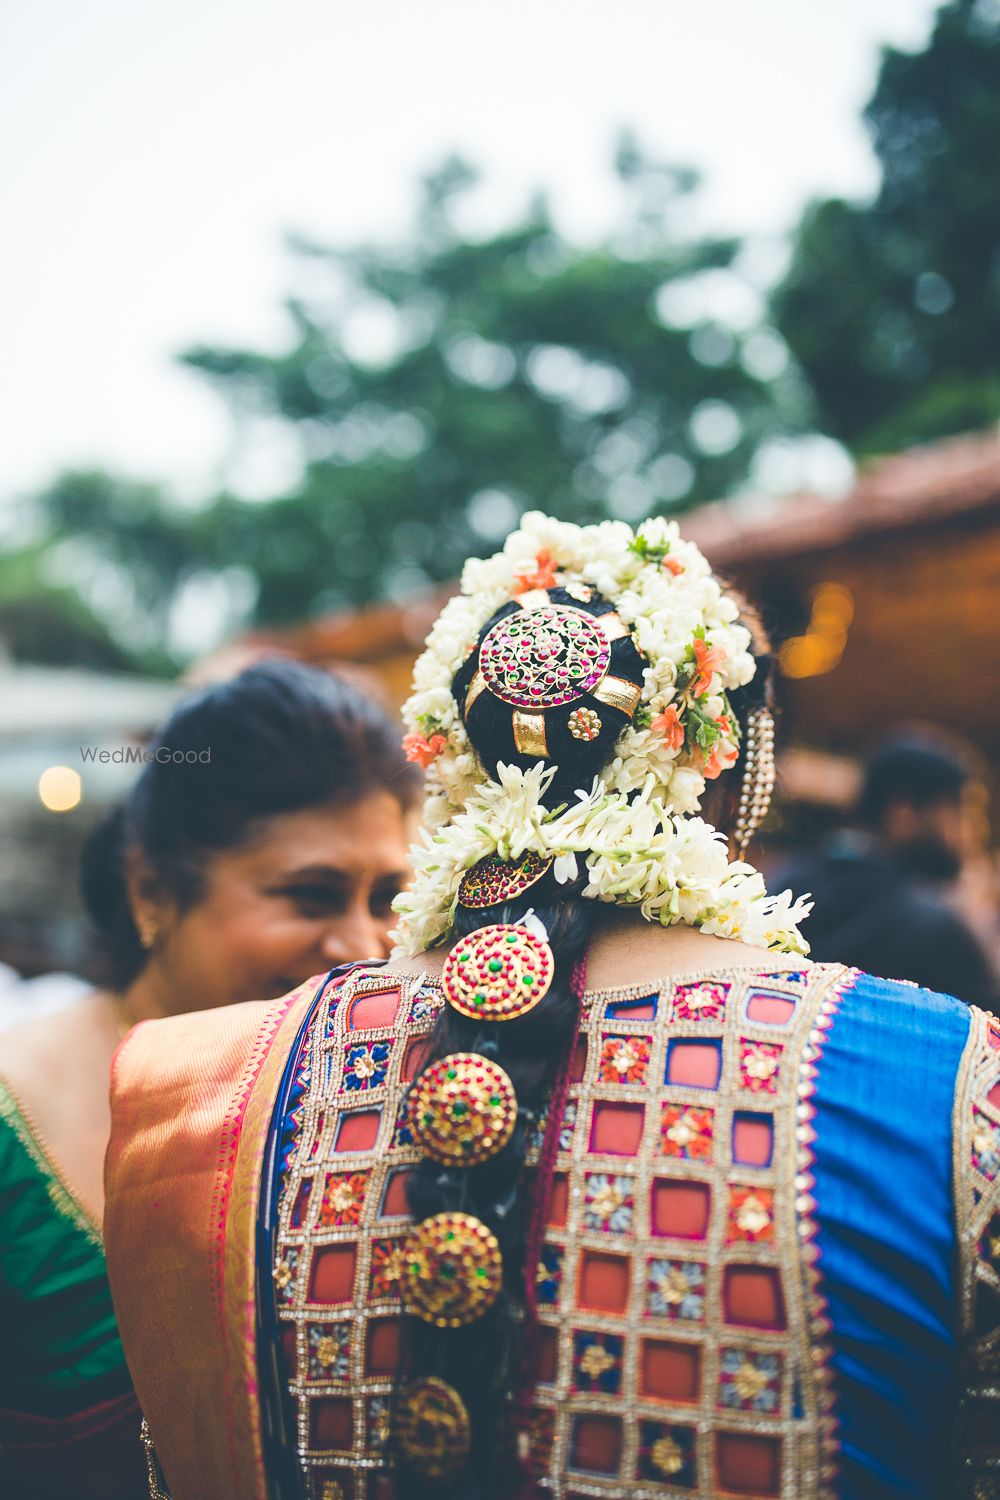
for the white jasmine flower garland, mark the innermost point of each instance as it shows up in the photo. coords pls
(636, 830)
(636, 852)
(683, 624)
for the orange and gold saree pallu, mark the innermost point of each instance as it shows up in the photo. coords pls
(191, 1104)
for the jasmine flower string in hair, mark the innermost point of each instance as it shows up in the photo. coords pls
(634, 833)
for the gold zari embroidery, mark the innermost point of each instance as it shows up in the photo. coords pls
(669, 1354)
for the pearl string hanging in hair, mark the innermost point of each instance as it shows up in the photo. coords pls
(759, 776)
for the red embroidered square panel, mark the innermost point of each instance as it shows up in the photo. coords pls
(604, 1281)
(748, 1465)
(331, 1278)
(382, 1346)
(358, 1131)
(596, 1444)
(616, 1129)
(753, 1139)
(680, 1209)
(695, 1064)
(331, 1423)
(369, 1012)
(394, 1204)
(670, 1370)
(752, 1296)
(766, 1009)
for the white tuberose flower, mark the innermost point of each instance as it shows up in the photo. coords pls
(636, 830)
(635, 852)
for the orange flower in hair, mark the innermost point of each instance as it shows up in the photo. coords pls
(544, 576)
(719, 759)
(422, 750)
(669, 725)
(708, 659)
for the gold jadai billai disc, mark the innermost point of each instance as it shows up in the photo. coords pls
(463, 1109)
(498, 973)
(432, 1430)
(542, 658)
(452, 1270)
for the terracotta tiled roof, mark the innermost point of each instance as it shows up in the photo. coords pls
(919, 488)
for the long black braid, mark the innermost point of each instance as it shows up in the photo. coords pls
(481, 1360)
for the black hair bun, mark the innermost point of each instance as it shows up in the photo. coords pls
(579, 733)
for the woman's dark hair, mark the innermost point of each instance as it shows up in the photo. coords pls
(277, 738)
(482, 1361)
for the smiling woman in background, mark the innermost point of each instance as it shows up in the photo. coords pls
(234, 877)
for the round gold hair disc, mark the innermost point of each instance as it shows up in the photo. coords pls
(432, 1429)
(452, 1270)
(498, 973)
(463, 1109)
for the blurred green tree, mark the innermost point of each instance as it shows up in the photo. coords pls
(436, 391)
(93, 571)
(892, 308)
(428, 395)
(49, 623)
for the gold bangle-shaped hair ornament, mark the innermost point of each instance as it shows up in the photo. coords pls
(497, 973)
(618, 692)
(529, 734)
(759, 775)
(472, 692)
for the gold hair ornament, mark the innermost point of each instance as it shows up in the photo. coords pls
(498, 973)
(493, 880)
(432, 1430)
(545, 657)
(452, 1270)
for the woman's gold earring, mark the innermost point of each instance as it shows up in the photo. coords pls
(148, 934)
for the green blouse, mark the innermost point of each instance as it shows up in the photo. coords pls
(61, 1346)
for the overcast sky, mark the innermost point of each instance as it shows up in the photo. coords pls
(154, 154)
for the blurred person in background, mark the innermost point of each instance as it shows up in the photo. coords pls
(219, 879)
(882, 890)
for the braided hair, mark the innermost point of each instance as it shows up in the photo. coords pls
(482, 1360)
